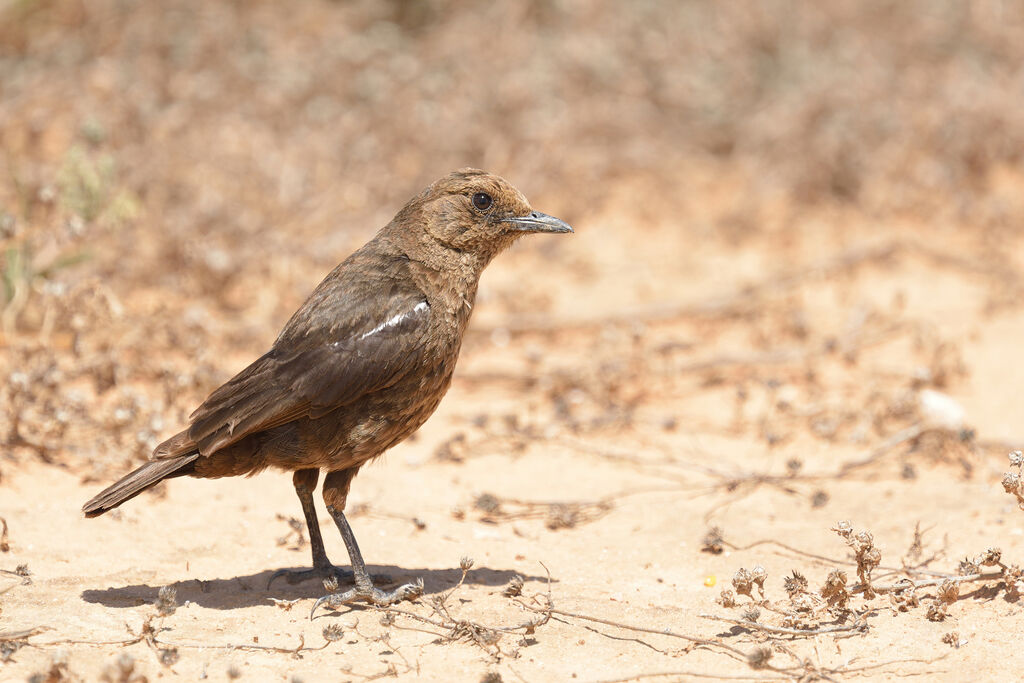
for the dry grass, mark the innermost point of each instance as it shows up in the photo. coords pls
(153, 157)
(175, 177)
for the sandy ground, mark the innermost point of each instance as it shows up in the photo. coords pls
(606, 528)
(794, 299)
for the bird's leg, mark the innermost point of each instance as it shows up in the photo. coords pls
(305, 484)
(336, 486)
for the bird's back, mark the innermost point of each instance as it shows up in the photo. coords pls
(358, 368)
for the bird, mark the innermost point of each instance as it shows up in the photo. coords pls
(359, 367)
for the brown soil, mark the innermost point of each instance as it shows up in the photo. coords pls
(793, 299)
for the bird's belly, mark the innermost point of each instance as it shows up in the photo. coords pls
(375, 423)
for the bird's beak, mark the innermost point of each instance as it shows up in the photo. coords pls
(537, 222)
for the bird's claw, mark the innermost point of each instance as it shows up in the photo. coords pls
(296, 576)
(374, 596)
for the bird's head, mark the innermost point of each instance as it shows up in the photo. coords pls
(475, 212)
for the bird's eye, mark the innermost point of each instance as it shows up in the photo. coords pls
(482, 201)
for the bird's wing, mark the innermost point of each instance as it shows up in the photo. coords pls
(344, 347)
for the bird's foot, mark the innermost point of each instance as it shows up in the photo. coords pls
(295, 576)
(368, 593)
(326, 574)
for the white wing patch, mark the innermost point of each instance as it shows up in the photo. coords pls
(391, 322)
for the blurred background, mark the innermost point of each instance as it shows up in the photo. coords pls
(176, 177)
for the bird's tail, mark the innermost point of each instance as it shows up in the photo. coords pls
(150, 474)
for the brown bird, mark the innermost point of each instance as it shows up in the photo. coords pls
(360, 366)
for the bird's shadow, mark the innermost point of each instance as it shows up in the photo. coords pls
(248, 591)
